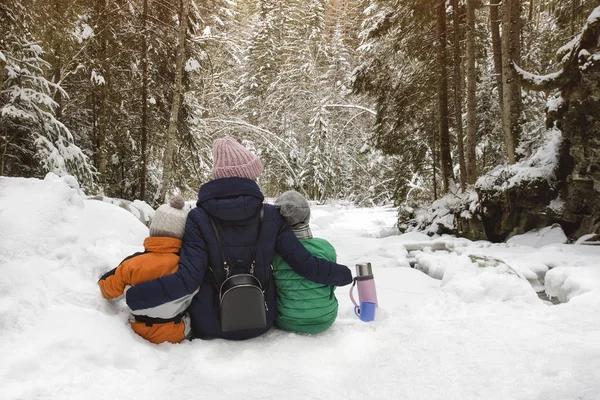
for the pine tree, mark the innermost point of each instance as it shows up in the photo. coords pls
(471, 95)
(34, 140)
(511, 52)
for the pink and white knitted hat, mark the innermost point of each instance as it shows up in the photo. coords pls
(231, 159)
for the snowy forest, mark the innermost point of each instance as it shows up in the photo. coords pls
(449, 148)
(364, 100)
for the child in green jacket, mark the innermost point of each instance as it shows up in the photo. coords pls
(302, 306)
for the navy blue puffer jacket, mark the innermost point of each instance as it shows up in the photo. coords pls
(234, 204)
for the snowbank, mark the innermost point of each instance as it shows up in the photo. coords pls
(474, 278)
(565, 283)
(53, 244)
(462, 337)
(540, 237)
(142, 210)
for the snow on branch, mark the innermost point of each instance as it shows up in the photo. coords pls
(264, 136)
(587, 39)
(539, 82)
(569, 55)
(351, 106)
(249, 125)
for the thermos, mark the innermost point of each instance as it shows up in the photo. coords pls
(366, 285)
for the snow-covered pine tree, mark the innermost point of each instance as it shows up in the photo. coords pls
(397, 71)
(262, 60)
(316, 176)
(33, 139)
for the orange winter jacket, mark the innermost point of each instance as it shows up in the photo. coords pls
(160, 258)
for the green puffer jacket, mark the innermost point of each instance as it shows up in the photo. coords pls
(304, 306)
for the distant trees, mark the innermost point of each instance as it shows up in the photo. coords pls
(401, 42)
(358, 99)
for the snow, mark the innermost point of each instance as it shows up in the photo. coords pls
(536, 79)
(83, 32)
(586, 239)
(587, 60)
(96, 78)
(541, 165)
(554, 103)
(541, 237)
(2, 57)
(191, 65)
(583, 53)
(479, 332)
(557, 205)
(441, 212)
(566, 50)
(565, 283)
(594, 16)
(140, 209)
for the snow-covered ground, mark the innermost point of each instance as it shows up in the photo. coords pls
(479, 331)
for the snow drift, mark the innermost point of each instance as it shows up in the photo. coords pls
(479, 332)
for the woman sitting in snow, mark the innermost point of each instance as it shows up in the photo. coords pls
(302, 306)
(160, 258)
(248, 231)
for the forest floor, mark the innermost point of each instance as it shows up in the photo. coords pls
(467, 324)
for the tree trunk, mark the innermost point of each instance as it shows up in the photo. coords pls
(2, 66)
(496, 46)
(101, 119)
(446, 160)
(458, 82)
(177, 89)
(57, 67)
(56, 79)
(2, 129)
(575, 8)
(511, 15)
(434, 162)
(144, 127)
(4, 148)
(471, 92)
(531, 7)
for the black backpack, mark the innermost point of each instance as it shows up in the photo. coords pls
(241, 296)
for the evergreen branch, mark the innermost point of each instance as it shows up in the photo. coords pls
(539, 82)
(351, 106)
(249, 125)
(253, 127)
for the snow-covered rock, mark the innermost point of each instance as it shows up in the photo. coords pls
(140, 209)
(540, 237)
(564, 283)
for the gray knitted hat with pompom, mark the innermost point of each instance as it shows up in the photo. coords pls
(169, 219)
(293, 207)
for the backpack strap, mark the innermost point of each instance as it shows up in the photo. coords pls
(260, 222)
(223, 259)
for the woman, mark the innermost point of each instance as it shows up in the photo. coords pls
(234, 202)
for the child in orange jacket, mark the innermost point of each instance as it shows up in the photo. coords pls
(160, 258)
